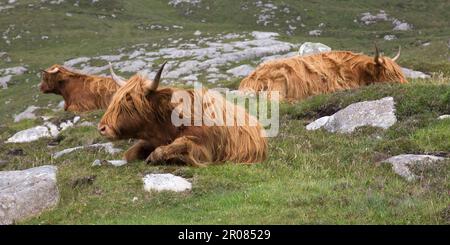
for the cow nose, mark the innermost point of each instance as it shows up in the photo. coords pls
(102, 129)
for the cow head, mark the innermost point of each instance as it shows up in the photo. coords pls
(382, 68)
(52, 78)
(136, 106)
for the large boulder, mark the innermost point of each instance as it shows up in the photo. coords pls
(376, 113)
(27, 193)
(312, 48)
(401, 164)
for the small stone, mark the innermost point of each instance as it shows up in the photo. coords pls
(308, 48)
(165, 182)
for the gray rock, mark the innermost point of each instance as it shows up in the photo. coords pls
(27, 114)
(414, 74)
(46, 130)
(73, 62)
(29, 135)
(401, 163)
(15, 71)
(264, 35)
(318, 123)
(165, 182)
(108, 147)
(376, 113)
(4, 81)
(241, 71)
(315, 33)
(308, 48)
(27, 193)
(367, 18)
(115, 163)
(389, 37)
(401, 26)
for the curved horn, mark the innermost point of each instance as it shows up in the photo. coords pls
(377, 54)
(118, 79)
(54, 70)
(398, 54)
(155, 83)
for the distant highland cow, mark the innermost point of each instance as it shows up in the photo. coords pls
(81, 92)
(140, 110)
(299, 77)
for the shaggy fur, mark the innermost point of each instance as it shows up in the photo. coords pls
(137, 113)
(299, 77)
(80, 92)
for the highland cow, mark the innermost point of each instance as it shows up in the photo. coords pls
(298, 77)
(81, 92)
(141, 110)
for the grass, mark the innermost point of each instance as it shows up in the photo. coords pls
(309, 177)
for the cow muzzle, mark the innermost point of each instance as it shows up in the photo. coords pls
(105, 130)
(43, 87)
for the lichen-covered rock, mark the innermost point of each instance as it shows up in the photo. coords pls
(27, 193)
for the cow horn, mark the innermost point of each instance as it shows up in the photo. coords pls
(155, 83)
(54, 70)
(377, 54)
(398, 54)
(118, 79)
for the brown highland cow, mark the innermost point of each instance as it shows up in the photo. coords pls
(141, 110)
(299, 77)
(80, 92)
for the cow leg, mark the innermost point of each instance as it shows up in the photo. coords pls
(138, 151)
(182, 149)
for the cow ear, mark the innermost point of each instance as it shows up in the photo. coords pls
(153, 85)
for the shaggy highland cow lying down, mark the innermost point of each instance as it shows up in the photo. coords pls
(299, 77)
(80, 92)
(140, 110)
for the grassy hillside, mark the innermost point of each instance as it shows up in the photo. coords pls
(310, 177)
